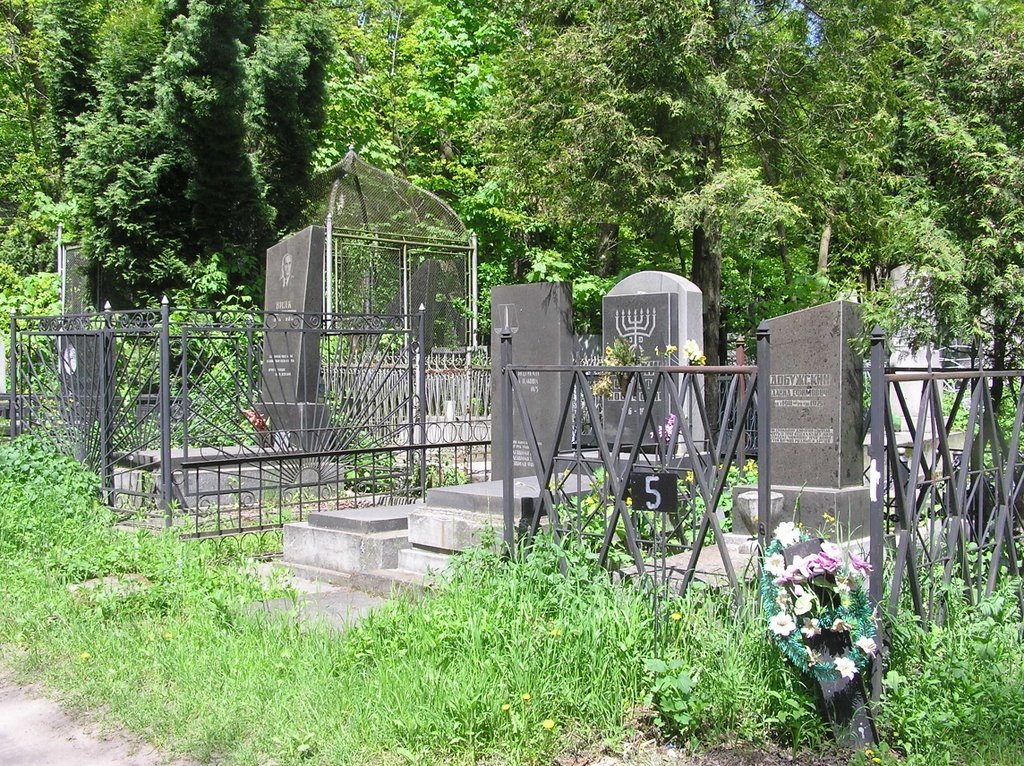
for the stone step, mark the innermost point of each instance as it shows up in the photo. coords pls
(486, 496)
(451, 529)
(422, 561)
(340, 550)
(378, 518)
(378, 582)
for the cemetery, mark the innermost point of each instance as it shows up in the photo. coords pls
(382, 469)
(464, 383)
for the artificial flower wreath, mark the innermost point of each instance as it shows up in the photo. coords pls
(826, 591)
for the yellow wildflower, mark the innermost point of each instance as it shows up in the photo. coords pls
(677, 616)
(876, 760)
(548, 724)
(84, 656)
(506, 707)
(168, 636)
(556, 632)
(527, 697)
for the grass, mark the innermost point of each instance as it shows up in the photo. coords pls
(509, 662)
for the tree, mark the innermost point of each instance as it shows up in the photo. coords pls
(200, 145)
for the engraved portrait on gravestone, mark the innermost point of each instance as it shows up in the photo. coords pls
(286, 270)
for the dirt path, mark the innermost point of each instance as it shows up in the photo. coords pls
(35, 731)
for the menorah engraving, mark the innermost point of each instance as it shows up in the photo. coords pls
(635, 325)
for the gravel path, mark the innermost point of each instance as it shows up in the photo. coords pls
(34, 731)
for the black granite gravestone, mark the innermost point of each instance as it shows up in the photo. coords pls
(816, 387)
(543, 313)
(291, 363)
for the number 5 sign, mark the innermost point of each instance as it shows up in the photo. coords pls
(654, 491)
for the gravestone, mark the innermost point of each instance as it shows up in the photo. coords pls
(651, 310)
(423, 289)
(817, 417)
(291, 355)
(543, 314)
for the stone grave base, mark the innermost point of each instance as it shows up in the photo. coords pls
(848, 506)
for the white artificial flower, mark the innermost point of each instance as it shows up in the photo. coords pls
(846, 667)
(781, 624)
(775, 564)
(787, 533)
(811, 627)
(803, 604)
(867, 645)
(839, 625)
(813, 657)
(842, 585)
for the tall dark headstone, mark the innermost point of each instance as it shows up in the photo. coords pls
(291, 363)
(816, 383)
(423, 291)
(542, 313)
(651, 310)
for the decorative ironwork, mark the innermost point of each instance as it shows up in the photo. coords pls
(948, 485)
(640, 491)
(139, 396)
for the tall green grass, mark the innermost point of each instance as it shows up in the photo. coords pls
(508, 662)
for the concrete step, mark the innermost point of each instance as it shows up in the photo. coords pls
(377, 582)
(364, 521)
(422, 561)
(340, 550)
(451, 529)
(486, 496)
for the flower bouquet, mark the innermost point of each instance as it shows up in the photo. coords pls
(815, 600)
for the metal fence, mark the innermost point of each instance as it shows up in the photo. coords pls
(641, 481)
(148, 398)
(946, 479)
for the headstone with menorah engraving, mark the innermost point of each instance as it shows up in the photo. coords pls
(651, 310)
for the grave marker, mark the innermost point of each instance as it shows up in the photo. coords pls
(542, 313)
(651, 310)
(817, 422)
(291, 362)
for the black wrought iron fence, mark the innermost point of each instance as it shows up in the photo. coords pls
(641, 491)
(225, 496)
(137, 395)
(947, 476)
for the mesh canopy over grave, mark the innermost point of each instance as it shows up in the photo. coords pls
(393, 247)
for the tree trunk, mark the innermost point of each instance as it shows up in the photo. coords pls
(823, 245)
(606, 255)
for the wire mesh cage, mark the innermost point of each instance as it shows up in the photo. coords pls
(394, 247)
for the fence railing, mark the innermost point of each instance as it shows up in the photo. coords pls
(947, 477)
(636, 475)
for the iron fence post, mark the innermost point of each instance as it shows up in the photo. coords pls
(12, 401)
(764, 488)
(421, 394)
(165, 411)
(105, 405)
(507, 489)
(876, 471)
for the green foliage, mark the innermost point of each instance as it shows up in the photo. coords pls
(956, 691)
(723, 679)
(469, 672)
(32, 295)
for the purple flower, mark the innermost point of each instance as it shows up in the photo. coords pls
(859, 565)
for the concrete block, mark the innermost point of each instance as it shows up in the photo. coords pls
(448, 529)
(340, 550)
(422, 561)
